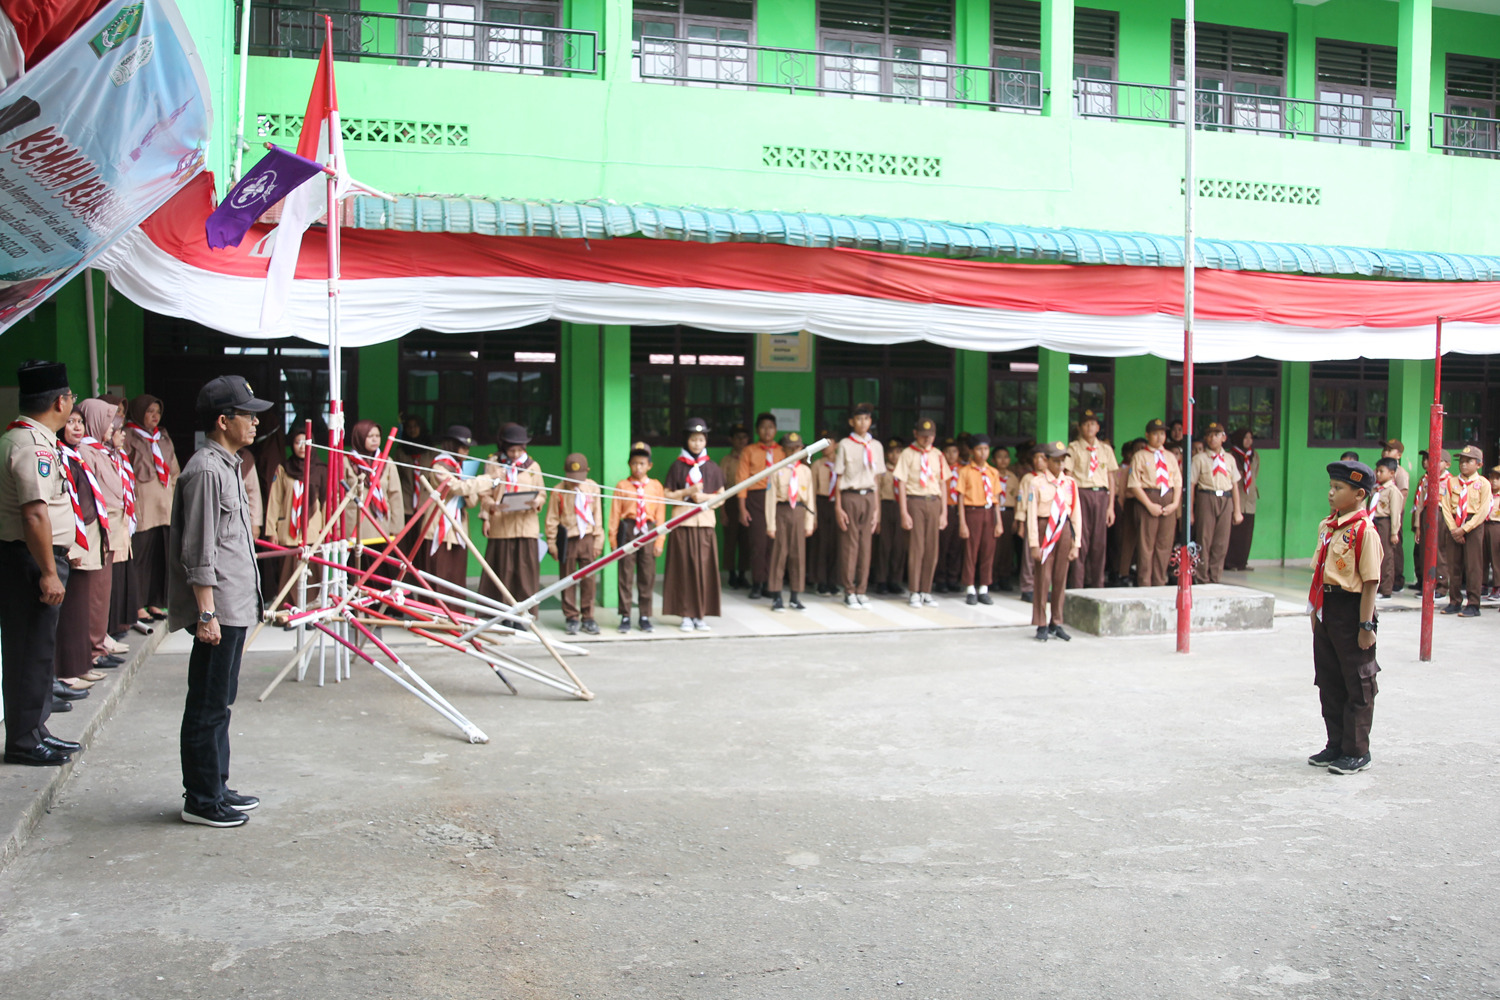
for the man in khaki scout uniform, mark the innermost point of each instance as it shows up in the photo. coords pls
(1216, 507)
(857, 461)
(1395, 449)
(921, 477)
(1092, 464)
(1341, 603)
(790, 520)
(1053, 523)
(1465, 506)
(37, 525)
(575, 538)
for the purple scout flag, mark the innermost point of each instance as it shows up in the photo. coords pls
(277, 175)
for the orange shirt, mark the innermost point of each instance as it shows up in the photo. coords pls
(622, 504)
(971, 480)
(757, 458)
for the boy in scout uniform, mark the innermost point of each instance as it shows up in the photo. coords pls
(950, 563)
(1125, 516)
(635, 508)
(1036, 461)
(575, 538)
(1092, 464)
(823, 547)
(1156, 484)
(889, 556)
(1216, 507)
(979, 486)
(1492, 532)
(1465, 506)
(1394, 449)
(790, 521)
(512, 550)
(921, 476)
(758, 457)
(856, 507)
(37, 525)
(1419, 505)
(1341, 602)
(1005, 549)
(1387, 520)
(1053, 522)
(736, 544)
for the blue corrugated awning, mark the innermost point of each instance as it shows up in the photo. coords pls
(605, 220)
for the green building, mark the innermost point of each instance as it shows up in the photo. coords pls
(1003, 131)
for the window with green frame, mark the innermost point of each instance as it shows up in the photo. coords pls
(1013, 397)
(904, 382)
(1348, 404)
(677, 372)
(1232, 394)
(483, 380)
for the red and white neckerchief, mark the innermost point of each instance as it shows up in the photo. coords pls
(1462, 504)
(989, 487)
(1093, 460)
(1355, 521)
(94, 442)
(440, 536)
(162, 473)
(583, 509)
(695, 464)
(1062, 510)
(833, 480)
(299, 501)
(1004, 489)
(770, 450)
(374, 469)
(80, 535)
(1494, 505)
(924, 471)
(127, 487)
(1221, 465)
(513, 473)
(794, 485)
(867, 442)
(1163, 476)
(1246, 455)
(953, 494)
(641, 520)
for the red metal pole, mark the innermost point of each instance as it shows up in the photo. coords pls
(1430, 506)
(308, 453)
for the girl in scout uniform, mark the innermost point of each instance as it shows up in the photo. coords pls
(155, 462)
(376, 485)
(294, 504)
(1247, 460)
(691, 590)
(512, 551)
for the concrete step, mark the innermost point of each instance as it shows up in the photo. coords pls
(1124, 611)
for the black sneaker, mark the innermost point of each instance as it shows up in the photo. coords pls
(624, 626)
(985, 598)
(590, 627)
(1348, 765)
(776, 604)
(971, 599)
(1325, 756)
(646, 625)
(1469, 611)
(756, 591)
(1453, 609)
(243, 803)
(1041, 633)
(1025, 597)
(572, 628)
(795, 604)
(1058, 633)
(219, 815)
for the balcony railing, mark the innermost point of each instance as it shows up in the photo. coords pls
(1232, 111)
(418, 40)
(1465, 135)
(741, 66)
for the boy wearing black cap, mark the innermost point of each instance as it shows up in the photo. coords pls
(921, 477)
(758, 457)
(790, 520)
(512, 548)
(1465, 505)
(1341, 602)
(979, 488)
(634, 509)
(1092, 465)
(575, 538)
(1216, 508)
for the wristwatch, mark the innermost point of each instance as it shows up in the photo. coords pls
(204, 617)
(1369, 626)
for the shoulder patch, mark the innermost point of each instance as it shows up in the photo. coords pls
(44, 464)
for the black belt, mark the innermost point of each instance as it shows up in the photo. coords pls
(1094, 489)
(1333, 588)
(863, 493)
(1217, 493)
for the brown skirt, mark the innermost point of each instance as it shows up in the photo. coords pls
(72, 656)
(123, 602)
(449, 562)
(516, 563)
(692, 585)
(149, 559)
(103, 584)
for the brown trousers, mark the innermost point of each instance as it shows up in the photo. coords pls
(1005, 546)
(1387, 557)
(855, 544)
(789, 550)
(950, 564)
(1240, 537)
(1051, 576)
(1492, 539)
(1153, 540)
(99, 609)
(922, 542)
(736, 542)
(1088, 569)
(888, 558)
(1028, 568)
(638, 570)
(1401, 562)
(823, 547)
(755, 536)
(1466, 561)
(581, 552)
(1344, 674)
(1212, 518)
(1129, 535)
(979, 547)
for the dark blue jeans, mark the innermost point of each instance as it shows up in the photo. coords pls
(213, 681)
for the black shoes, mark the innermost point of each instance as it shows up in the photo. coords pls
(219, 816)
(572, 626)
(40, 755)
(1058, 633)
(972, 599)
(64, 746)
(757, 590)
(623, 627)
(795, 604)
(1041, 633)
(1469, 611)
(1325, 756)
(590, 627)
(109, 661)
(1025, 597)
(242, 803)
(776, 604)
(1453, 609)
(985, 598)
(61, 690)
(646, 625)
(58, 705)
(1349, 765)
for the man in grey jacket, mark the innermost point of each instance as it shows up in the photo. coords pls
(213, 588)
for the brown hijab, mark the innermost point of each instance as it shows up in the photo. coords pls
(138, 447)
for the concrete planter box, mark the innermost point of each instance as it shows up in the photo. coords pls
(1117, 611)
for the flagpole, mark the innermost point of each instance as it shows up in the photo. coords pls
(1189, 197)
(335, 347)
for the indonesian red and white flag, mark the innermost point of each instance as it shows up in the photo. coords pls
(321, 140)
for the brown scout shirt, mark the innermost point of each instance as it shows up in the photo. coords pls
(1039, 494)
(153, 501)
(823, 477)
(1478, 497)
(31, 470)
(849, 461)
(1143, 472)
(561, 511)
(780, 485)
(1341, 568)
(511, 524)
(1076, 464)
(1204, 476)
(908, 472)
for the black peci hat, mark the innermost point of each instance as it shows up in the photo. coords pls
(36, 377)
(1356, 474)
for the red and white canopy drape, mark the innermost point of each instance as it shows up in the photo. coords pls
(397, 282)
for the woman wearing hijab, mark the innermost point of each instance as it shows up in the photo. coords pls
(376, 485)
(154, 460)
(99, 422)
(124, 599)
(691, 590)
(294, 504)
(73, 658)
(1242, 447)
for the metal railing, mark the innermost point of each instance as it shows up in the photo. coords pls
(1465, 135)
(419, 40)
(692, 62)
(1233, 111)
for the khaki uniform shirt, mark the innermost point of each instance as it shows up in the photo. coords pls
(824, 481)
(467, 491)
(1403, 481)
(1076, 464)
(885, 483)
(1023, 486)
(1204, 476)
(515, 524)
(209, 544)
(1012, 490)
(971, 480)
(622, 506)
(391, 488)
(1494, 514)
(1040, 492)
(1477, 493)
(729, 465)
(753, 460)
(561, 510)
(1341, 567)
(1249, 495)
(849, 462)
(779, 492)
(31, 470)
(908, 472)
(1388, 503)
(1143, 472)
(153, 501)
(278, 523)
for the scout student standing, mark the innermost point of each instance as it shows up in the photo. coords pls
(1092, 464)
(1005, 549)
(758, 457)
(856, 465)
(1492, 531)
(1125, 515)
(1216, 508)
(1341, 601)
(790, 520)
(1395, 449)
(1247, 460)
(1387, 521)
(1036, 461)
(1465, 507)
(443, 552)
(634, 509)
(888, 557)
(921, 476)
(691, 590)
(823, 546)
(155, 462)
(950, 561)
(979, 486)
(736, 543)
(1419, 504)
(512, 549)
(1053, 521)
(1156, 483)
(575, 537)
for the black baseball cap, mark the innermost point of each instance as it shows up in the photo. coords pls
(230, 392)
(695, 425)
(1356, 474)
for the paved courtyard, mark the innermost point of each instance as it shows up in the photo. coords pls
(965, 814)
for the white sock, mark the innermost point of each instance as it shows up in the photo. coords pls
(984, 589)
(971, 588)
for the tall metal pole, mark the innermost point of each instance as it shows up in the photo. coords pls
(1430, 522)
(239, 122)
(1189, 197)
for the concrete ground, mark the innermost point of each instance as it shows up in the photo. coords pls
(897, 814)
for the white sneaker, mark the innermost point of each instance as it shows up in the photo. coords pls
(701, 625)
(864, 600)
(928, 601)
(915, 600)
(852, 601)
(687, 625)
